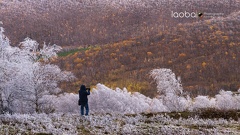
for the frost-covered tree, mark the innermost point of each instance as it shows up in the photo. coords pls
(8, 67)
(30, 49)
(27, 77)
(41, 81)
(166, 81)
(170, 89)
(41, 78)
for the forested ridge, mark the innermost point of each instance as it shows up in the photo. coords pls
(91, 22)
(204, 54)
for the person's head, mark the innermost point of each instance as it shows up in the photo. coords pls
(82, 87)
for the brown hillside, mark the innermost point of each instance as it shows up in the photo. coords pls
(205, 54)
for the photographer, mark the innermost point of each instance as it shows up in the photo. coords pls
(83, 100)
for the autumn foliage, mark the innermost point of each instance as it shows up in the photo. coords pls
(117, 44)
(204, 54)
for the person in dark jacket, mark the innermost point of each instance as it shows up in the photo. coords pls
(83, 93)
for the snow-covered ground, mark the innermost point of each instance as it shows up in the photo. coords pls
(73, 124)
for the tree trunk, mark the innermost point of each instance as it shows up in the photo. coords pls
(1, 102)
(36, 105)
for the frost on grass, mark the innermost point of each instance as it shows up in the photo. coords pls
(102, 123)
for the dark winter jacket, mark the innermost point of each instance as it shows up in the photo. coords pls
(83, 93)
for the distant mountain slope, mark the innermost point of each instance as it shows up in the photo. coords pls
(90, 22)
(205, 54)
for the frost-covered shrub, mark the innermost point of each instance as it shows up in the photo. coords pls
(47, 104)
(175, 103)
(156, 105)
(107, 100)
(237, 101)
(225, 100)
(201, 102)
(104, 99)
(67, 102)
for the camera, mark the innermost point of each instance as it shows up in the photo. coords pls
(87, 88)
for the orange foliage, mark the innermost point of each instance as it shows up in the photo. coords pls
(204, 64)
(182, 55)
(149, 53)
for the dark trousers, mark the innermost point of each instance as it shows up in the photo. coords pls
(85, 105)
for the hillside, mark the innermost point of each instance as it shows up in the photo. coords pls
(117, 43)
(205, 54)
(91, 22)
